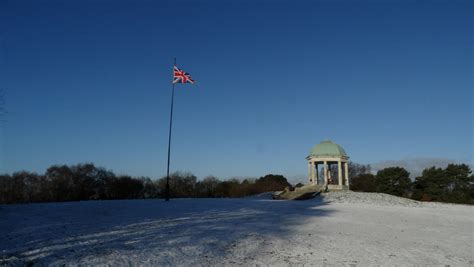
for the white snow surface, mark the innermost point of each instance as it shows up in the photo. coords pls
(336, 229)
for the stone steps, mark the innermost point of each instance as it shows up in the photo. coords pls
(300, 193)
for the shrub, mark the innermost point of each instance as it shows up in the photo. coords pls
(393, 180)
(363, 183)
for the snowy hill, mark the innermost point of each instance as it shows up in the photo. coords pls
(373, 199)
(339, 228)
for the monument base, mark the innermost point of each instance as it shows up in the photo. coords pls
(336, 187)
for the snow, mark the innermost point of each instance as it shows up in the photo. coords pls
(338, 228)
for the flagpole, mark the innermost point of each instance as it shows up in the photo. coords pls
(167, 193)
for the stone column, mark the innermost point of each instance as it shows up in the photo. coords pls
(317, 173)
(312, 172)
(325, 172)
(309, 171)
(346, 173)
(339, 172)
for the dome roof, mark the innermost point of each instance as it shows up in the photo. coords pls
(327, 149)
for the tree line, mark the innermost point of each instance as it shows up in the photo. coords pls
(453, 184)
(88, 182)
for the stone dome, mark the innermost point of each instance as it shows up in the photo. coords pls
(327, 148)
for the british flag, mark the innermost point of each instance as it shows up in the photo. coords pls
(180, 76)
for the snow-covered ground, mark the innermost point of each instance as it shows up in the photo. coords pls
(352, 229)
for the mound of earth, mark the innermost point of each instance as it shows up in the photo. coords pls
(369, 198)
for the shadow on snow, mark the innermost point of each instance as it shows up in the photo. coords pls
(187, 229)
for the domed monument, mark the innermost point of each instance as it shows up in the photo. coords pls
(327, 154)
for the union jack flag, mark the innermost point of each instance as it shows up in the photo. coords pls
(180, 76)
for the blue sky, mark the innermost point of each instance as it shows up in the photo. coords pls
(90, 81)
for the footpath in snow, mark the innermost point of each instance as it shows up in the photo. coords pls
(339, 228)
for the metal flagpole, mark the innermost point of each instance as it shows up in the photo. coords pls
(167, 193)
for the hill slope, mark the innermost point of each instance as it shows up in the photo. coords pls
(338, 228)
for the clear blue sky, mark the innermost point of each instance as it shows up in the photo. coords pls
(90, 81)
